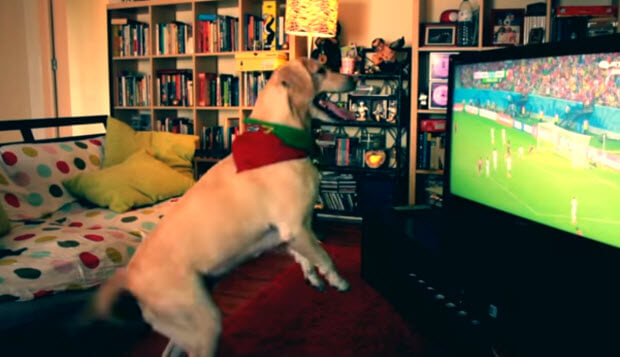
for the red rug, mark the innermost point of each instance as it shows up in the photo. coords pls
(290, 318)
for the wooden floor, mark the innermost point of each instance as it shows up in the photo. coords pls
(242, 284)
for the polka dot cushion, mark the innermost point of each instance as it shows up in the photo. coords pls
(76, 248)
(31, 175)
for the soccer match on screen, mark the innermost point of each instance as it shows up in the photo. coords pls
(540, 138)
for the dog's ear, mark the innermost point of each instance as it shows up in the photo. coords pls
(297, 81)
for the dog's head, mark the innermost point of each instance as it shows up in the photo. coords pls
(288, 96)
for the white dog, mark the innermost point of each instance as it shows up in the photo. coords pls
(241, 207)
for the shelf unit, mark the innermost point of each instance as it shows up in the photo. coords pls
(426, 11)
(186, 11)
(391, 176)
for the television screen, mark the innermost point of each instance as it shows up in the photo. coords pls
(539, 138)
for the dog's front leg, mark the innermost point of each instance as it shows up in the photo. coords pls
(305, 243)
(309, 272)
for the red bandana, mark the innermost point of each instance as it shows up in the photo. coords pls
(254, 149)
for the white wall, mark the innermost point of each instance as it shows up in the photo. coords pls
(25, 64)
(364, 20)
(25, 91)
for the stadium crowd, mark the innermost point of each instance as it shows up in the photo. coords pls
(575, 78)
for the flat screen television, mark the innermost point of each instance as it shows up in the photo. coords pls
(533, 188)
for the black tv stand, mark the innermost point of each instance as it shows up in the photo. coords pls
(401, 260)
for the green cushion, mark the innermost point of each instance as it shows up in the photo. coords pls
(140, 180)
(175, 150)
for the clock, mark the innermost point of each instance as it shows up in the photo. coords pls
(439, 95)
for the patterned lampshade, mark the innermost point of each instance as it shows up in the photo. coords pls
(313, 18)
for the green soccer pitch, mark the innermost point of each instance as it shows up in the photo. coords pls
(541, 185)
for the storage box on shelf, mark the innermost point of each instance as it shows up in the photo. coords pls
(173, 67)
(366, 150)
(428, 95)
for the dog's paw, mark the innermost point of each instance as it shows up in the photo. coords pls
(342, 286)
(319, 285)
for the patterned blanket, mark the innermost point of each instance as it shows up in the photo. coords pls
(77, 247)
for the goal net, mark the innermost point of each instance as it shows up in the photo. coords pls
(569, 144)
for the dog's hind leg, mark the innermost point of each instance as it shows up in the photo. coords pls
(309, 272)
(305, 243)
(192, 323)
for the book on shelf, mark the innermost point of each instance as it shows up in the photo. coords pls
(174, 38)
(431, 151)
(218, 89)
(216, 33)
(233, 130)
(175, 87)
(266, 31)
(586, 10)
(254, 82)
(129, 37)
(133, 89)
(178, 125)
(269, 19)
(212, 141)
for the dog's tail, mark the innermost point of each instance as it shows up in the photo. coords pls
(108, 293)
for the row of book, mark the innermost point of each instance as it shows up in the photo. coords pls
(133, 89)
(220, 90)
(212, 141)
(129, 37)
(266, 32)
(216, 33)
(337, 192)
(175, 87)
(431, 144)
(254, 82)
(179, 125)
(174, 38)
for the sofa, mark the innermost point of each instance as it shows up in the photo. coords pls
(74, 209)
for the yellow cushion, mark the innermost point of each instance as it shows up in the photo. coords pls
(5, 224)
(121, 141)
(175, 150)
(140, 180)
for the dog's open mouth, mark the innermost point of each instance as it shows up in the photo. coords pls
(331, 110)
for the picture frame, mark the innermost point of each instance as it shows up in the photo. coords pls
(507, 26)
(438, 98)
(439, 34)
(439, 65)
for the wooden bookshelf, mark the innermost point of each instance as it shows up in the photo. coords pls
(154, 12)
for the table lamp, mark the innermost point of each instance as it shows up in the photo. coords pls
(311, 18)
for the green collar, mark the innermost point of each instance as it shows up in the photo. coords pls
(297, 138)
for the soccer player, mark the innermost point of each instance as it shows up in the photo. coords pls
(503, 136)
(494, 159)
(508, 165)
(521, 151)
(493, 136)
(488, 166)
(479, 165)
(573, 211)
